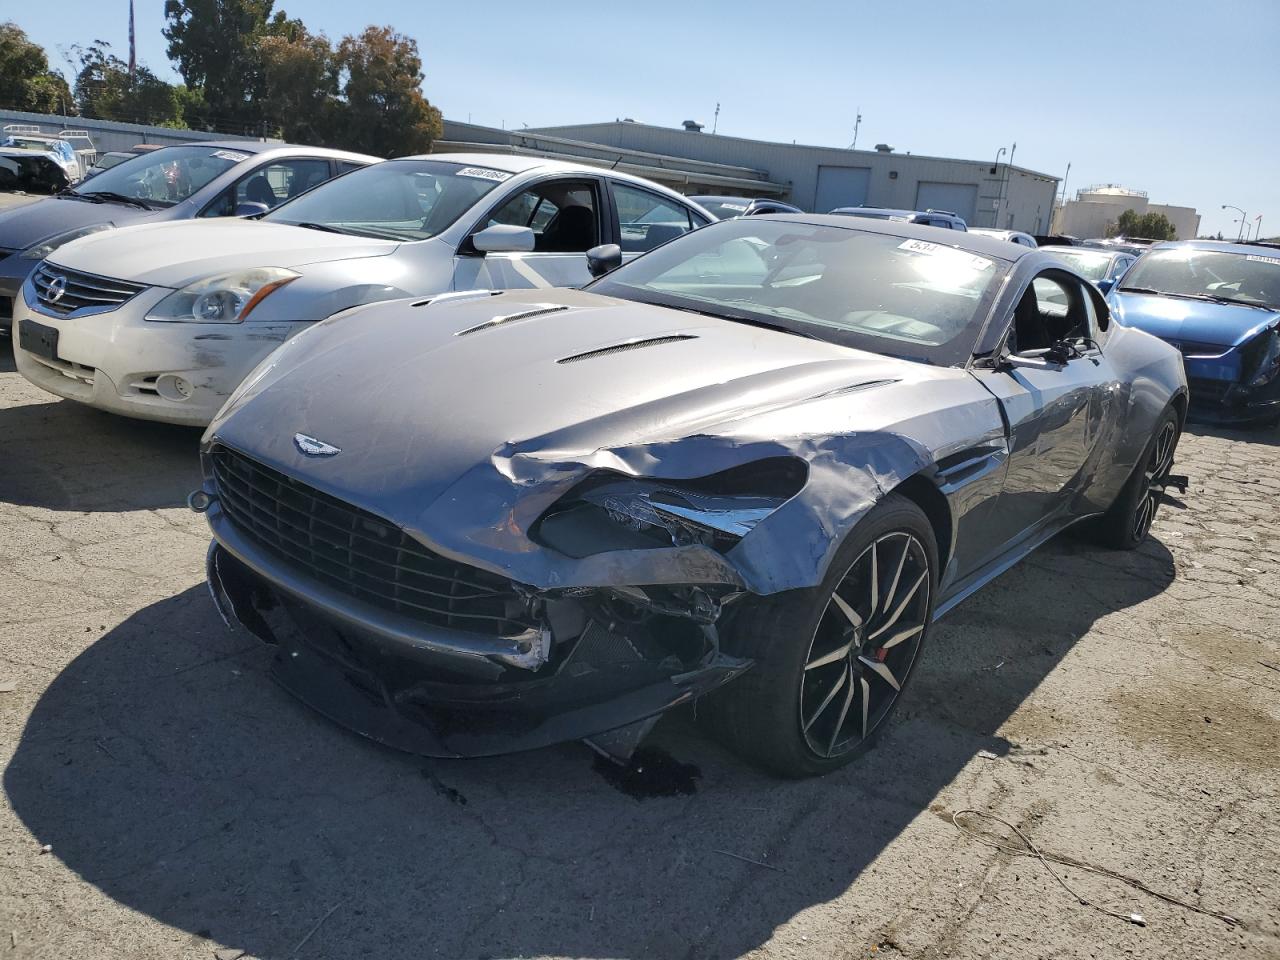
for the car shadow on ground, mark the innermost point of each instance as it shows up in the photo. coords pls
(166, 769)
(62, 455)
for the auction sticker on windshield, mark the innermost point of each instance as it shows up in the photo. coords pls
(484, 173)
(972, 260)
(232, 155)
(1257, 259)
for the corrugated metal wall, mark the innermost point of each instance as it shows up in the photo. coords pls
(107, 134)
(1009, 195)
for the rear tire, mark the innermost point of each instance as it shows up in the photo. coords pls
(1128, 521)
(830, 668)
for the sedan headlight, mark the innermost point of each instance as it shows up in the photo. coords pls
(46, 247)
(228, 298)
(630, 514)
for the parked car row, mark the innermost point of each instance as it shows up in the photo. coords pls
(192, 181)
(477, 510)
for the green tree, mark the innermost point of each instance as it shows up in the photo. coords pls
(299, 98)
(26, 82)
(104, 89)
(384, 111)
(214, 44)
(1153, 226)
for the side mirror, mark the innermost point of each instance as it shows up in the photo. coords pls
(250, 208)
(604, 258)
(1106, 285)
(504, 238)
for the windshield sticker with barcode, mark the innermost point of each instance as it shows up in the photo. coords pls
(971, 260)
(1257, 259)
(484, 173)
(233, 155)
(734, 206)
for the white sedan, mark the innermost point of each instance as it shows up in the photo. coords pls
(163, 321)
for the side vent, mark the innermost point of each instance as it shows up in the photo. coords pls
(537, 310)
(629, 345)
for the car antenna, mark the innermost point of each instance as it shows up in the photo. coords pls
(616, 162)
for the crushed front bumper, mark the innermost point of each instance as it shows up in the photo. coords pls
(447, 693)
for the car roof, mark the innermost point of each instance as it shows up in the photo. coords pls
(509, 163)
(259, 147)
(960, 239)
(1220, 246)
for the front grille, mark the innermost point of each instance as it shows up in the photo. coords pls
(1208, 391)
(361, 554)
(79, 290)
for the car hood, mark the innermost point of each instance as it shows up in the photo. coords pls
(415, 397)
(176, 254)
(1191, 321)
(30, 224)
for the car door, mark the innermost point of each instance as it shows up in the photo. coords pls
(567, 216)
(1055, 414)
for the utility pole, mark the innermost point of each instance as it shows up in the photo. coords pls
(1065, 177)
(856, 124)
(716, 123)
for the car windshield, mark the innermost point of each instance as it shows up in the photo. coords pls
(890, 295)
(1250, 279)
(163, 177)
(723, 209)
(1090, 264)
(396, 200)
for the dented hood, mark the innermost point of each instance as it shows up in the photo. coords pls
(176, 254)
(414, 397)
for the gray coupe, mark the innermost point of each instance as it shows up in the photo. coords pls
(756, 463)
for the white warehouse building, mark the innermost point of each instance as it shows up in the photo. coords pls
(813, 178)
(1096, 209)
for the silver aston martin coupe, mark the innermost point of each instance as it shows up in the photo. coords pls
(753, 465)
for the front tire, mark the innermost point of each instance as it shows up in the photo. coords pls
(832, 661)
(1128, 521)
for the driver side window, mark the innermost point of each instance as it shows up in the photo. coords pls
(563, 216)
(270, 186)
(1053, 307)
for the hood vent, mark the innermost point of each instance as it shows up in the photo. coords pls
(630, 345)
(535, 310)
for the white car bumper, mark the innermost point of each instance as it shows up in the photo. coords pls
(118, 361)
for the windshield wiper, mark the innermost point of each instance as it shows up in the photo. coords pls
(349, 232)
(309, 225)
(105, 196)
(1206, 297)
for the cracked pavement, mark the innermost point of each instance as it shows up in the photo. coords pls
(1123, 710)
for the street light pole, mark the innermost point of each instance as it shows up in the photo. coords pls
(1243, 217)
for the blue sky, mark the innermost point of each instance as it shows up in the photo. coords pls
(1174, 97)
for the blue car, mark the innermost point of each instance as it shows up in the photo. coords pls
(1219, 304)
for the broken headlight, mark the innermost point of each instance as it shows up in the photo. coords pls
(630, 513)
(1266, 358)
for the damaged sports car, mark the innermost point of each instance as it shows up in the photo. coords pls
(752, 466)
